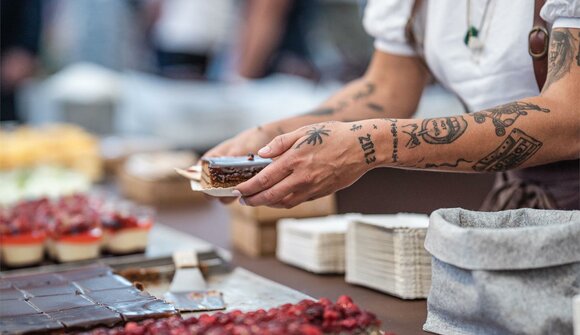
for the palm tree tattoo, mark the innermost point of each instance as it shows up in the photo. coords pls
(314, 136)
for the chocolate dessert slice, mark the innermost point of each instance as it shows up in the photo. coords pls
(230, 171)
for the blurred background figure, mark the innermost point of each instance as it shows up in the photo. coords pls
(275, 38)
(188, 35)
(20, 35)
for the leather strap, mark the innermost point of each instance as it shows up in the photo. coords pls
(538, 44)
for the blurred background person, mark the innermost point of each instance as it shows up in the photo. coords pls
(20, 36)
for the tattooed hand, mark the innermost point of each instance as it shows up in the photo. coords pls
(311, 162)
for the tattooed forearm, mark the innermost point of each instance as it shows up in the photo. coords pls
(375, 107)
(443, 130)
(395, 134)
(368, 148)
(460, 160)
(511, 153)
(506, 115)
(314, 136)
(561, 54)
(355, 127)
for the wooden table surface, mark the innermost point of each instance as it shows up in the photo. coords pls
(210, 221)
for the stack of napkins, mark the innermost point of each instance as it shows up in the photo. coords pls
(313, 244)
(386, 252)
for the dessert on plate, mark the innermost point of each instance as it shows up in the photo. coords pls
(222, 172)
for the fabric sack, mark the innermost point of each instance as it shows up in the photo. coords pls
(509, 272)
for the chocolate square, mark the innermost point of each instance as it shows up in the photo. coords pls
(110, 297)
(54, 303)
(87, 317)
(137, 310)
(35, 280)
(42, 291)
(103, 283)
(86, 272)
(16, 308)
(11, 294)
(37, 323)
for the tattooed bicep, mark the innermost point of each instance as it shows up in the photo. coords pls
(563, 54)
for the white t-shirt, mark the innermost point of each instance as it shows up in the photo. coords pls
(502, 72)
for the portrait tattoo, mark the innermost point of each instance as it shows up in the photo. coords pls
(368, 148)
(443, 130)
(314, 136)
(355, 127)
(395, 155)
(460, 160)
(368, 90)
(375, 107)
(512, 152)
(560, 55)
(506, 115)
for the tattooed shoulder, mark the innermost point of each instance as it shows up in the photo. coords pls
(562, 51)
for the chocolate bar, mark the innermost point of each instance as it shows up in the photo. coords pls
(79, 299)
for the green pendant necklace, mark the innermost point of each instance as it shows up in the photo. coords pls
(472, 39)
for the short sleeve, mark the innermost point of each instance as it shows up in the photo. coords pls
(554, 9)
(385, 20)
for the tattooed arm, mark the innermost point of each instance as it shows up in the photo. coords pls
(394, 80)
(320, 159)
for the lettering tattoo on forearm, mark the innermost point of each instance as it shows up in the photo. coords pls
(560, 55)
(456, 164)
(442, 130)
(368, 148)
(506, 115)
(355, 127)
(394, 132)
(314, 136)
(517, 148)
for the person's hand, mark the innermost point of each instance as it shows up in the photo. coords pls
(249, 141)
(312, 162)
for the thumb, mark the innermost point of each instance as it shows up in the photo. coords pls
(279, 145)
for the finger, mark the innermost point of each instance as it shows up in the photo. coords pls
(295, 199)
(271, 195)
(279, 144)
(227, 200)
(268, 177)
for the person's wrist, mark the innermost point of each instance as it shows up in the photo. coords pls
(371, 142)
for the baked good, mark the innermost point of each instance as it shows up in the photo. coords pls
(307, 317)
(22, 234)
(75, 233)
(221, 172)
(125, 232)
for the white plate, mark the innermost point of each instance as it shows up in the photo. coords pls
(194, 175)
(214, 192)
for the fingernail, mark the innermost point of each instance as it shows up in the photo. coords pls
(242, 202)
(265, 150)
(236, 193)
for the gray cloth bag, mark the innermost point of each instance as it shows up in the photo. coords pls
(509, 272)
